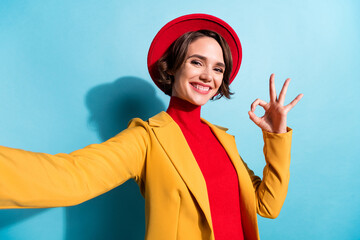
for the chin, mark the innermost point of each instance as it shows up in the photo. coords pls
(200, 101)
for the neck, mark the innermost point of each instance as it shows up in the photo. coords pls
(184, 112)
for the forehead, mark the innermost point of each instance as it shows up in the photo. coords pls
(207, 47)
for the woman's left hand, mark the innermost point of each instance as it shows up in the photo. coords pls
(274, 119)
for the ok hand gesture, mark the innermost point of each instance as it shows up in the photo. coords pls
(274, 119)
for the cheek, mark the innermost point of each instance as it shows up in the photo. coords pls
(178, 85)
(181, 78)
(218, 83)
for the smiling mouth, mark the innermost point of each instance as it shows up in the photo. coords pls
(200, 88)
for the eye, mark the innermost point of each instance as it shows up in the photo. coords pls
(220, 70)
(196, 62)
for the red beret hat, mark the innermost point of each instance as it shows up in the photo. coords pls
(187, 23)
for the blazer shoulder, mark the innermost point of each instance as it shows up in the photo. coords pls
(163, 119)
(159, 120)
(221, 128)
(214, 126)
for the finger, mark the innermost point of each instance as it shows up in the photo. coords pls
(257, 102)
(272, 88)
(294, 102)
(283, 91)
(254, 118)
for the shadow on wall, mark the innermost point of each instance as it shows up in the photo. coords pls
(120, 213)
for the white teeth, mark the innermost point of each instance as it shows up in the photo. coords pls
(202, 88)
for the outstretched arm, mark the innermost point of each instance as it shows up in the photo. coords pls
(38, 180)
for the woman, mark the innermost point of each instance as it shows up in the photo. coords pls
(195, 184)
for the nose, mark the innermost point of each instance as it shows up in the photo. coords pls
(206, 75)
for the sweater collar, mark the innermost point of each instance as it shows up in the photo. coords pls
(183, 112)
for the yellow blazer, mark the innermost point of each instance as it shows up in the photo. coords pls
(156, 154)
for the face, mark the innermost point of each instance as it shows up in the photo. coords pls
(200, 76)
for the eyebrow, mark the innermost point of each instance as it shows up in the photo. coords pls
(204, 58)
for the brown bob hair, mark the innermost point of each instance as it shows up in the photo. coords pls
(175, 55)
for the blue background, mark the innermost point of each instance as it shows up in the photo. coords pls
(73, 73)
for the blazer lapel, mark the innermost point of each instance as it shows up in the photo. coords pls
(174, 144)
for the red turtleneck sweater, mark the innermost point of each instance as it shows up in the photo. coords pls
(219, 173)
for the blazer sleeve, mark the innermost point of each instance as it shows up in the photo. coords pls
(270, 192)
(34, 180)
